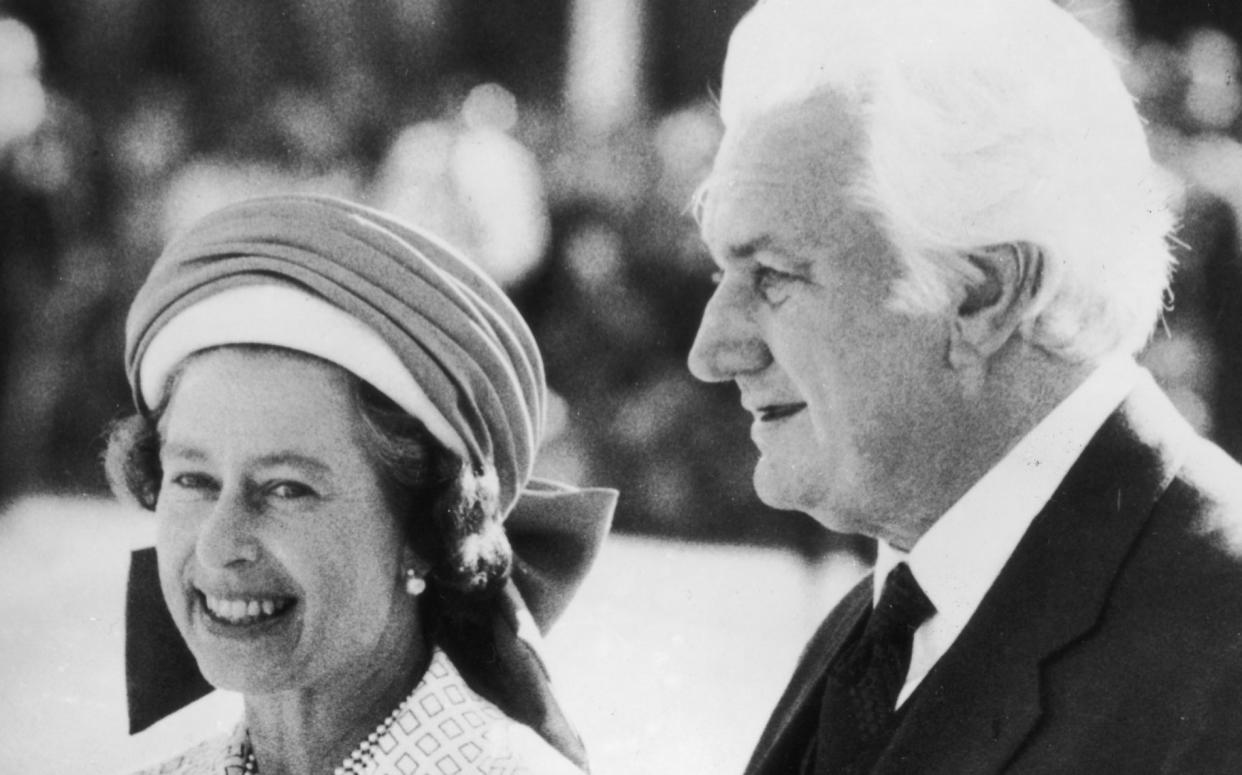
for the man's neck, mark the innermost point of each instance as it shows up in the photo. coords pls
(1020, 390)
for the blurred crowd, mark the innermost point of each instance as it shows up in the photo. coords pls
(558, 142)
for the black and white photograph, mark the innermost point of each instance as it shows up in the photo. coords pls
(552, 387)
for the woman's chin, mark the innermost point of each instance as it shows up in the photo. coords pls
(241, 674)
(249, 654)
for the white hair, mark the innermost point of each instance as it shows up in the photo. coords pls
(986, 122)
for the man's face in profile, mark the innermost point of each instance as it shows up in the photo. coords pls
(839, 385)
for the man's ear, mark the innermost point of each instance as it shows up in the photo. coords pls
(991, 309)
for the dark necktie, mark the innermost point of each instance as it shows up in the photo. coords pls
(858, 717)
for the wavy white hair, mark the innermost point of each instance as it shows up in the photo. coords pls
(986, 122)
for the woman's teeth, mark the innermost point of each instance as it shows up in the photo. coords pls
(244, 611)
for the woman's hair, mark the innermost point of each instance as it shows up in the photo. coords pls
(443, 512)
(986, 122)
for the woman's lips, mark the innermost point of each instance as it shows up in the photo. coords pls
(240, 611)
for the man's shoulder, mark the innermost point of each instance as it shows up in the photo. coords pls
(1199, 514)
(1209, 485)
(1188, 552)
(1186, 568)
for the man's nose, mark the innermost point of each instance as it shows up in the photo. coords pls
(225, 537)
(728, 342)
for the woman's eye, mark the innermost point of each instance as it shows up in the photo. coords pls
(290, 490)
(190, 485)
(191, 481)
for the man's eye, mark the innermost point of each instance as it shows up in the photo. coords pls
(773, 284)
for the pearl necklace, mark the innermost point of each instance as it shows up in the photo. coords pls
(357, 762)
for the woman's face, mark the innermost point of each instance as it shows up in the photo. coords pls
(280, 560)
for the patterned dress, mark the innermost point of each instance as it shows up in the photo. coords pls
(442, 728)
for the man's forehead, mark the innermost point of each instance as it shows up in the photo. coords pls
(802, 157)
(793, 144)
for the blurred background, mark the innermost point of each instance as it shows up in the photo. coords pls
(558, 142)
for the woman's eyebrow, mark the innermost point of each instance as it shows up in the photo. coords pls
(291, 458)
(182, 451)
(295, 460)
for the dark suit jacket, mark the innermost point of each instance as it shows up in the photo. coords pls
(1111, 642)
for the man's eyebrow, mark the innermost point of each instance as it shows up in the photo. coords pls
(750, 247)
(767, 243)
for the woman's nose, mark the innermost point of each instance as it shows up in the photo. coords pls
(225, 537)
(728, 342)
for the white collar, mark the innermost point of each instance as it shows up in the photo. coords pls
(957, 560)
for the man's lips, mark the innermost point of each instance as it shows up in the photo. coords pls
(774, 412)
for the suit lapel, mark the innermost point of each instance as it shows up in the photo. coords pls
(783, 742)
(980, 703)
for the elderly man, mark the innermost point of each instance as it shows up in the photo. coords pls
(940, 241)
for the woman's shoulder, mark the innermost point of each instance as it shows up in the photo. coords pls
(443, 723)
(519, 750)
(447, 723)
(214, 756)
(199, 760)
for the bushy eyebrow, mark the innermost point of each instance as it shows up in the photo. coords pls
(750, 247)
(768, 243)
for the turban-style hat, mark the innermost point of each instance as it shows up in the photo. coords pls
(403, 311)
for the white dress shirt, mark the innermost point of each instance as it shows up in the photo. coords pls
(959, 557)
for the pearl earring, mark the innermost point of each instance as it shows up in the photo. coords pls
(414, 584)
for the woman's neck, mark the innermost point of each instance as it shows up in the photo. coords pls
(311, 730)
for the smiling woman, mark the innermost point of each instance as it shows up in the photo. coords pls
(336, 428)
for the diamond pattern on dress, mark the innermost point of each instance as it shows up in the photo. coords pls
(406, 765)
(408, 722)
(447, 729)
(427, 743)
(442, 728)
(471, 751)
(387, 742)
(432, 705)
